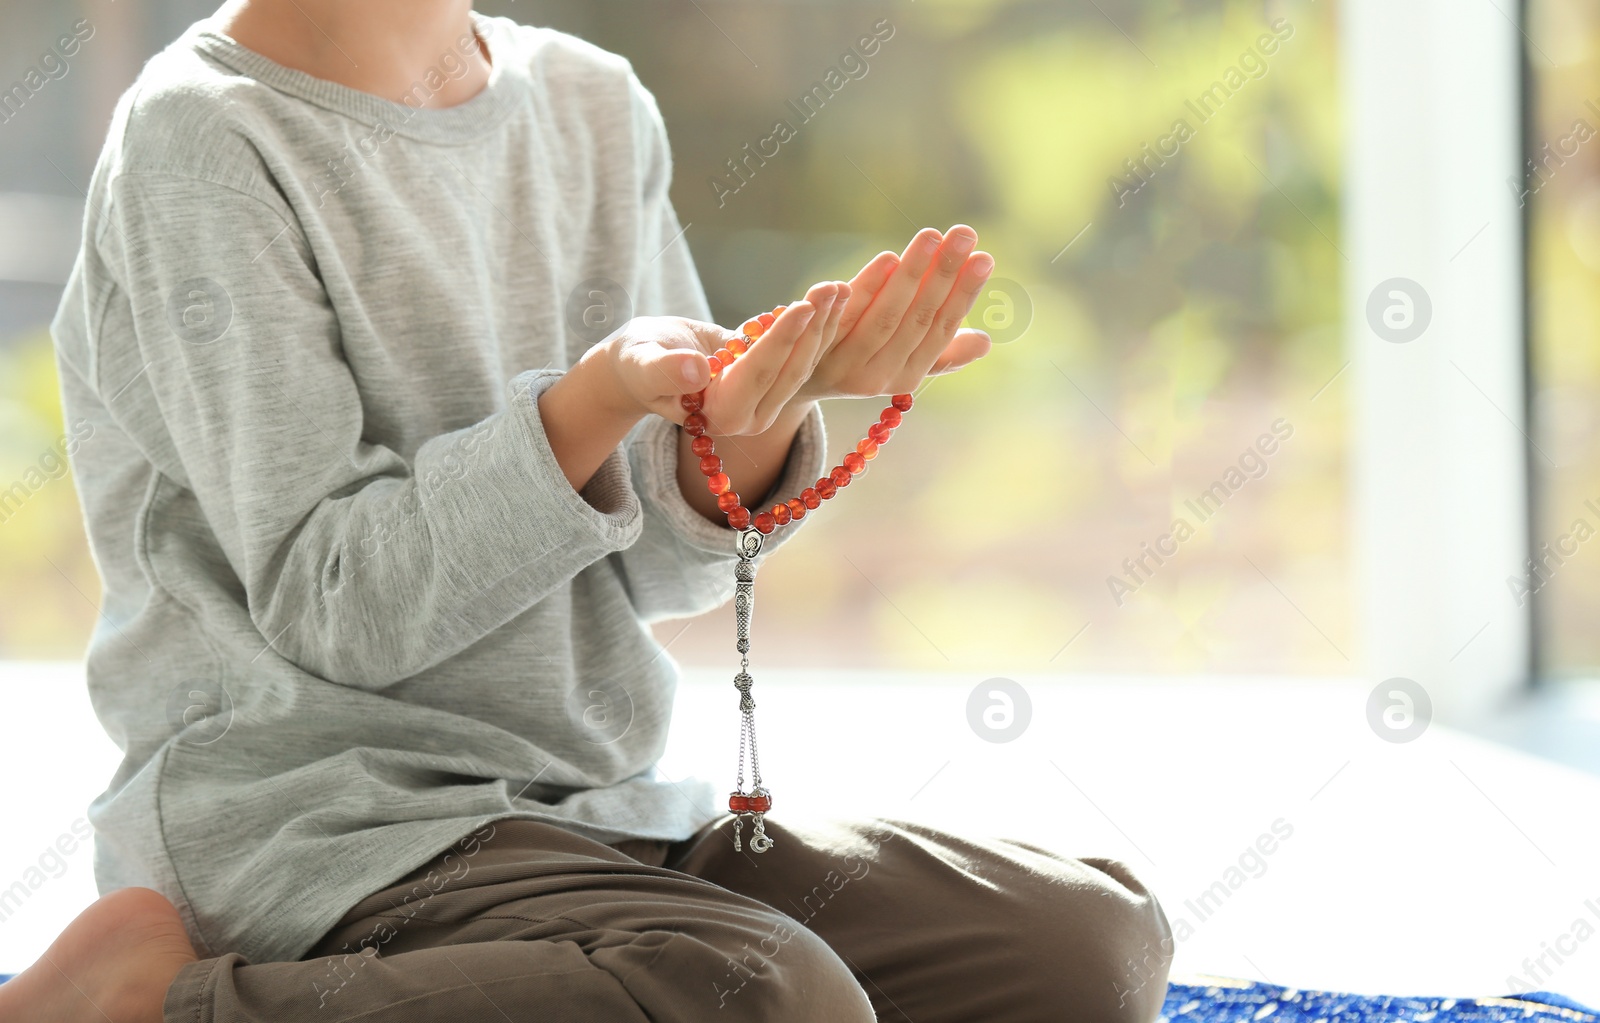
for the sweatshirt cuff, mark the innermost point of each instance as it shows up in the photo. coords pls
(529, 510)
(657, 483)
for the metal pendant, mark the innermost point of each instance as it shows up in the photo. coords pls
(755, 803)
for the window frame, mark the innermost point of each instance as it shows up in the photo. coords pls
(1441, 468)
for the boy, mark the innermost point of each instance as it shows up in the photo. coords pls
(361, 496)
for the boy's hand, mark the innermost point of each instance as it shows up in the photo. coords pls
(657, 359)
(902, 321)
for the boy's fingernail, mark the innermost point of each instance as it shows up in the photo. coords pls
(693, 370)
(963, 243)
(983, 266)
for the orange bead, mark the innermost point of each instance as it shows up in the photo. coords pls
(710, 465)
(840, 476)
(727, 501)
(724, 356)
(738, 346)
(695, 424)
(768, 319)
(890, 417)
(765, 523)
(693, 402)
(702, 446)
(719, 483)
(797, 509)
(753, 329)
(826, 488)
(810, 498)
(868, 448)
(902, 402)
(739, 518)
(780, 514)
(855, 463)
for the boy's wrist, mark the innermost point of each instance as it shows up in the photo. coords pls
(791, 416)
(603, 378)
(585, 415)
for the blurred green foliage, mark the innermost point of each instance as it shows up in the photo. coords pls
(47, 605)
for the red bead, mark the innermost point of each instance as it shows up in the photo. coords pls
(693, 402)
(759, 804)
(810, 498)
(738, 803)
(702, 446)
(826, 488)
(710, 464)
(868, 448)
(901, 402)
(797, 509)
(719, 483)
(724, 356)
(738, 346)
(880, 433)
(780, 514)
(739, 518)
(727, 501)
(695, 425)
(840, 476)
(890, 417)
(855, 463)
(765, 523)
(716, 367)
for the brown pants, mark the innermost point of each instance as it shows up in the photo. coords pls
(847, 922)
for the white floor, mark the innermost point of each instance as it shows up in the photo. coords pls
(1447, 865)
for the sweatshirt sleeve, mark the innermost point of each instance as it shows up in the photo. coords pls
(365, 567)
(682, 563)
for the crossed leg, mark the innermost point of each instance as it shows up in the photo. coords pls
(542, 925)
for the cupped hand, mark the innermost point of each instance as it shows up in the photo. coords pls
(902, 321)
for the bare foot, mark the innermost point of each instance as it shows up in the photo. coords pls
(115, 961)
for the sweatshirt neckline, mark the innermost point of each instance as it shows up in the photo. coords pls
(460, 123)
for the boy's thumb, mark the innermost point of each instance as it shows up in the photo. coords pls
(688, 370)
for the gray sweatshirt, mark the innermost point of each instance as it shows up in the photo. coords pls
(352, 607)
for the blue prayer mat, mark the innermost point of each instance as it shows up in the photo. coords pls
(1242, 1001)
